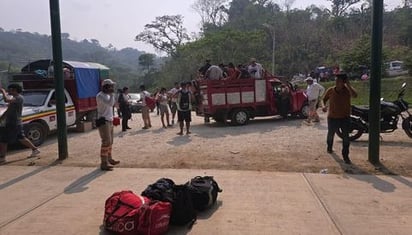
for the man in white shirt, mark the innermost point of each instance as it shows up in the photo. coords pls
(314, 91)
(255, 69)
(214, 72)
(105, 101)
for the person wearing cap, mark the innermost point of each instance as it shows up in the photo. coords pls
(255, 69)
(339, 98)
(314, 91)
(105, 102)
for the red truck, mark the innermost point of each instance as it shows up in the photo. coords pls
(240, 100)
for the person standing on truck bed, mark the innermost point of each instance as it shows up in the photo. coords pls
(11, 128)
(255, 69)
(105, 101)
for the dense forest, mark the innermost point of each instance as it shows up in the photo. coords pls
(234, 31)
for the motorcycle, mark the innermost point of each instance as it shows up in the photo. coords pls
(390, 113)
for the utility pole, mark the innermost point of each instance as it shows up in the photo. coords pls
(58, 76)
(375, 82)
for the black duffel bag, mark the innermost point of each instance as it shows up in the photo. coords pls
(204, 191)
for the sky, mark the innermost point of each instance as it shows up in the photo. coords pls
(108, 21)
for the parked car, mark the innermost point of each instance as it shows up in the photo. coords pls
(395, 68)
(135, 101)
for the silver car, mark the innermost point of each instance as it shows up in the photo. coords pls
(135, 102)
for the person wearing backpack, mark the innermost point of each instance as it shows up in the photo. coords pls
(184, 107)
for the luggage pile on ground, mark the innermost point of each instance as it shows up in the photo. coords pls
(161, 204)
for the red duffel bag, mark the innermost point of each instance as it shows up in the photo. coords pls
(129, 214)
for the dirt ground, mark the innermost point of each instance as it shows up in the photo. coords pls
(268, 144)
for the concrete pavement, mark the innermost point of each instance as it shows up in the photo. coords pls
(70, 200)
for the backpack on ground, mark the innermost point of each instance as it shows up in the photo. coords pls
(183, 211)
(129, 214)
(203, 190)
(161, 190)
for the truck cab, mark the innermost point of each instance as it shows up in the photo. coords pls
(39, 113)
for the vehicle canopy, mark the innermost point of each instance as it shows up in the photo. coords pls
(81, 79)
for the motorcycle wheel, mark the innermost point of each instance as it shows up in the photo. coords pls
(354, 133)
(407, 126)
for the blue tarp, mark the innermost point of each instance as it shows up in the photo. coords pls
(87, 81)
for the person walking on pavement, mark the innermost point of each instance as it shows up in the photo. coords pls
(125, 108)
(184, 107)
(339, 98)
(314, 92)
(105, 103)
(145, 108)
(11, 128)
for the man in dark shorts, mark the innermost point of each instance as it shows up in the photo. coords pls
(11, 129)
(184, 108)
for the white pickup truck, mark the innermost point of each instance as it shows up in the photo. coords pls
(82, 83)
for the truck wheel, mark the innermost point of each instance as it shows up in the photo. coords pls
(240, 117)
(304, 111)
(35, 132)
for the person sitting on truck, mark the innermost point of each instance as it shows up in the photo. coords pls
(204, 68)
(105, 102)
(232, 72)
(11, 127)
(244, 73)
(214, 73)
(255, 69)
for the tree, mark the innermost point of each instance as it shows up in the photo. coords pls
(65, 35)
(212, 12)
(146, 60)
(165, 33)
(339, 7)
